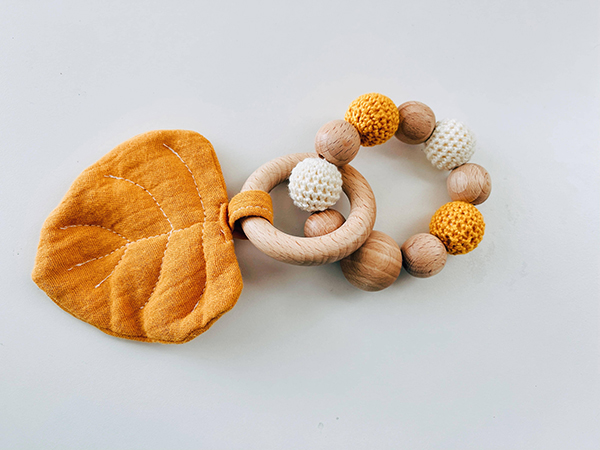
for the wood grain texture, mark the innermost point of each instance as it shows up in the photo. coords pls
(417, 122)
(338, 142)
(324, 222)
(469, 183)
(375, 265)
(423, 255)
(314, 250)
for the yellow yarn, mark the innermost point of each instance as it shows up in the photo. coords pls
(459, 225)
(375, 117)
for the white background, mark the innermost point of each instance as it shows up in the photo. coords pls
(498, 351)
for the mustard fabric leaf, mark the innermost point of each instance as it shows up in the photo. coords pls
(137, 246)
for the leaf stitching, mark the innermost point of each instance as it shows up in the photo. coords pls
(159, 271)
(128, 244)
(203, 228)
(115, 268)
(147, 191)
(96, 226)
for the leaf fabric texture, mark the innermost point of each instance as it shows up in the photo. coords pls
(140, 246)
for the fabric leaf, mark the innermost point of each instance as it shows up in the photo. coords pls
(137, 247)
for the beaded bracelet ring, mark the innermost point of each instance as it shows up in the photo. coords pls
(316, 181)
(141, 246)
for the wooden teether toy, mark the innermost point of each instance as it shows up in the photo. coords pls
(142, 248)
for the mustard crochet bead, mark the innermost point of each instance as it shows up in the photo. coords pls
(459, 225)
(375, 117)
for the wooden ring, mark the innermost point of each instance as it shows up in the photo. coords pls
(318, 250)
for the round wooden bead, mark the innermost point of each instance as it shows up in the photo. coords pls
(417, 122)
(338, 142)
(324, 222)
(469, 183)
(423, 255)
(375, 265)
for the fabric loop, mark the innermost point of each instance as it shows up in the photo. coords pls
(250, 203)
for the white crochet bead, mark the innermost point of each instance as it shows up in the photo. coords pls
(450, 145)
(315, 184)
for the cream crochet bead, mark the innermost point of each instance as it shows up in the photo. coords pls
(450, 145)
(315, 184)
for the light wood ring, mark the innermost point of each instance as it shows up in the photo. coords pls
(319, 250)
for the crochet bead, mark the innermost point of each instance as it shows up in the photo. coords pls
(324, 222)
(338, 142)
(469, 183)
(315, 184)
(423, 255)
(450, 145)
(375, 117)
(459, 225)
(417, 122)
(375, 265)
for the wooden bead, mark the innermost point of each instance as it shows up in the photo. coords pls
(338, 142)
(469, 183)
(375, 265)
(423, 255)
(324, 222)
(417, 122)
